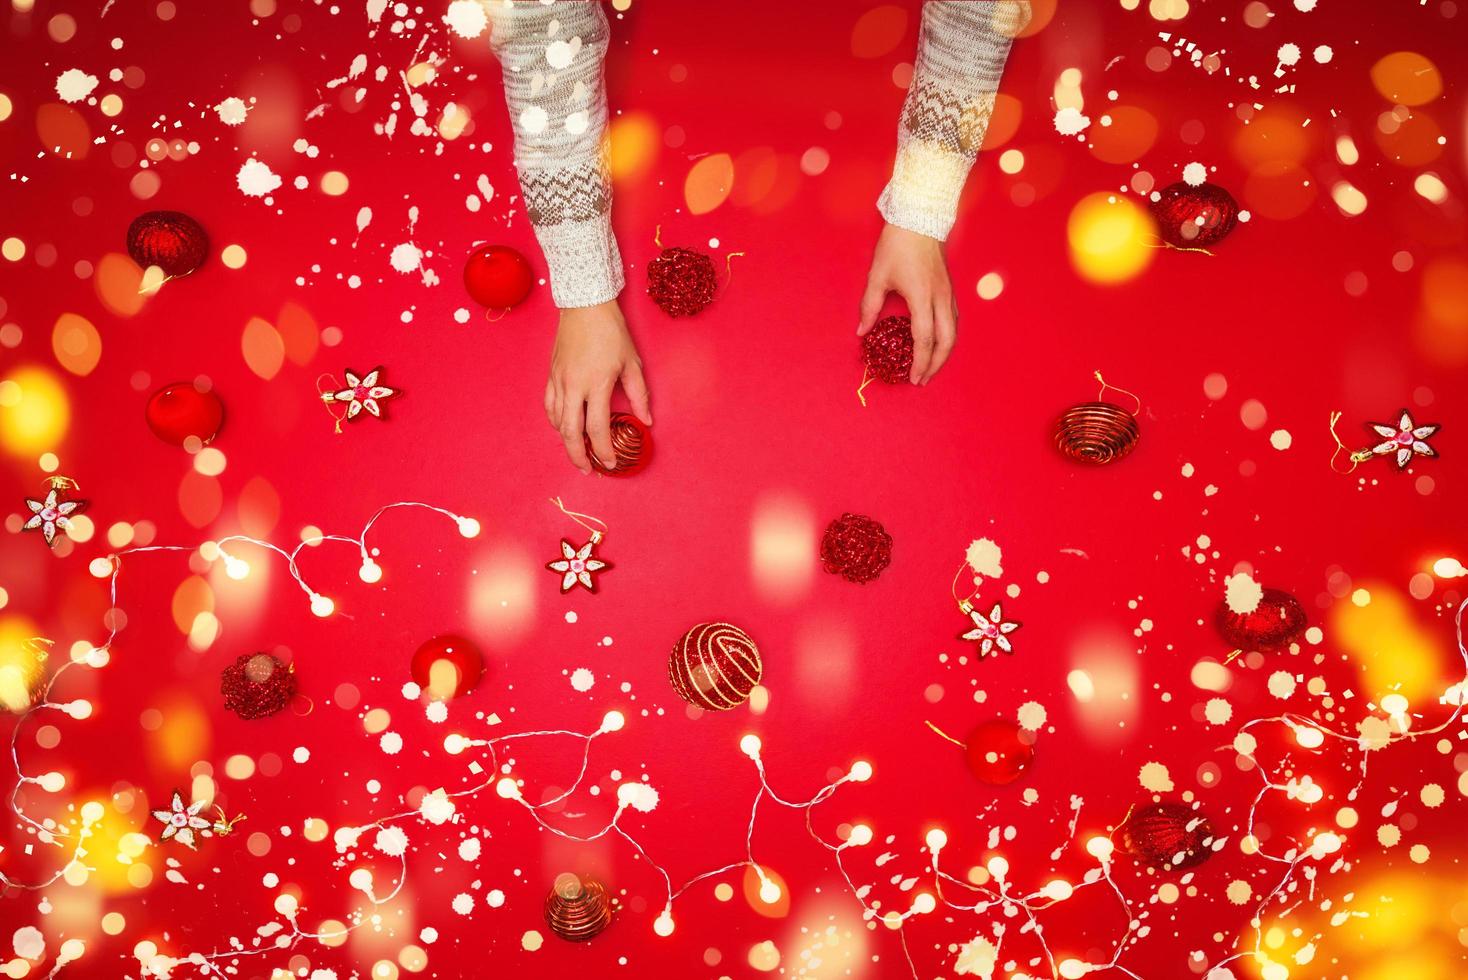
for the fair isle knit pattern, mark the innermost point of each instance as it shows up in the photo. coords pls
(962, 48)
(552, 56)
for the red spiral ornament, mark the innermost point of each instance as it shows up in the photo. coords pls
(681, 281)
(632, 443)
(887, 350)
(715, 666)
(171, 240)
(1096, 433)
(1194, 217)
(856, 547)
(577, 909)
(257, 685)
(1167, 836)
(1276, 622)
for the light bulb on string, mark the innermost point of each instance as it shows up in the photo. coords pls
(468, 527)
(370, 572)
(322, 605)
(235, 568)
(612, 721)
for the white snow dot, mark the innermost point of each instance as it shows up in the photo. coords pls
(1070, 121)
(406, 257)
(256, 179)
(1195, 174)
(463, 903)
(577, 122)
(391, 743)
(1289, 54)
(469, 849)
(73, 85)
(232, 111)
(533, 119)
(1323, 54)
(582, 679)
(301, 754)
(466, 18)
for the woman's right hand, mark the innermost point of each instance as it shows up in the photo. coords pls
(593, 353)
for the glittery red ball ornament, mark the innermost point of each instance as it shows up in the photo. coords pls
(1167, 836)
(715, 666)
(631, 441)
(257, 685)
(171, 240)
(181, 411)
(887, 350)
(998, 752)
(1194, 217)
(681, 281)
(497, 277)
(447, 666)
(855, 547)
(1276, 622)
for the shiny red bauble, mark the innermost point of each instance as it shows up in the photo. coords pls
(631, 441)
(1276, 622)
(1194, 217)
(497, 277)
(887, 350)
(447, 666)
(171, 240)
(1167, 836)
(999, 752)
(257, 685)
(181, 411)
(681, 282)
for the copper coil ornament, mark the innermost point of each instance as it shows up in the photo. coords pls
(1167, 836)
(577, 909)
(1097, 433)
(715, 666)
(631, 441)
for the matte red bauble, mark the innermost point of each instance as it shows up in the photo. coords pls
(447, 666)
(1194, 217)
(257, 685)
(856, 547)
(998, 752)
(715, 666)
(171, 240)
(1276, 622)
(631, 441)
(180, 411)
(1167, 836)
(681, 281)
(497, 277)
(887, 350)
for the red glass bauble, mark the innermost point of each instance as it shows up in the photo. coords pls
(257, 685)
(631, 441)
(180, 411)
(855, 547)
(999, 752)
(681, 281)
(1276, 622)
(715, 666)
(887, 350)
(171, 240)
(497, 277)
(447, 666)
(1167, 836)
(1194, 217)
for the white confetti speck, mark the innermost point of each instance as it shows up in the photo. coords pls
(1195, 174)
(256, 179)
(463, 903)
(74, 85)
(1155, 778)
(582, 679)
(639, 796)
(1032, 716)
(469, 849)
(984, 557)
(466, 18)
(1280, 439)
(406, 257)
(1070, 121)
(301, 754)
(1323, 54)
(391, 743)
(232, 111)
(495, 898)
(1289, 54)
(531, 941)
(1242, 593)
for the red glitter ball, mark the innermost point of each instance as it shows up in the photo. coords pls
(1277, 622)
(887, 350)
(180, 411)
(715, 666)
(681, 281)
(436, 657)
(1194, 217)
(999, 752)
(257, 685)
(497, 277)
(171, 240)
(1168, 836)
(855, 547)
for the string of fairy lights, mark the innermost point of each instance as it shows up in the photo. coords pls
(999, 895)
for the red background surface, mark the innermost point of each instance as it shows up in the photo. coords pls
(755, 409)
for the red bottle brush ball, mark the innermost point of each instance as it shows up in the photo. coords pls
(171, 240)
(1276, 622)
(681, 281)
(715, 666)
(855, 547)
(257, 685)
(577, 908)
(1194, 217)
(447, 666)
(999, 752)
(497, 277)
(179, 412)
(1167, 836)
(887, 350)
(1097, 433)
(631, 441)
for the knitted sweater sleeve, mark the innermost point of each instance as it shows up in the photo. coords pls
(962, 47)
(552, 56)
